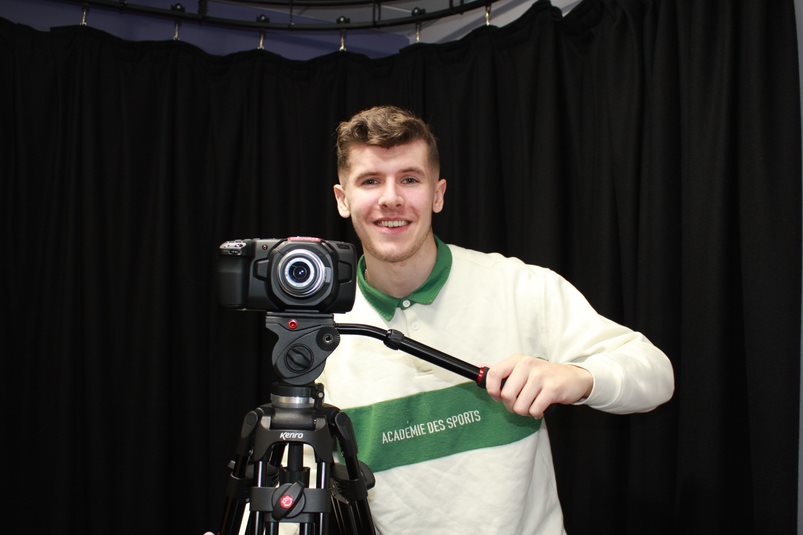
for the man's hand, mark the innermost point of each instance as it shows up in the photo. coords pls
(531, 385)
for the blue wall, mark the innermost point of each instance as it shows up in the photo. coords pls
(44, 14)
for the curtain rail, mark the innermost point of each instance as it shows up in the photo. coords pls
(177, 12)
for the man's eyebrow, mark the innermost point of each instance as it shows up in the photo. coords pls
(369, 173)
(413, 169)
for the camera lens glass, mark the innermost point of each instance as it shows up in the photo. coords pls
(301, 273)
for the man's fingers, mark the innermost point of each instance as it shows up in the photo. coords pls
(497, 375)
(528, 386)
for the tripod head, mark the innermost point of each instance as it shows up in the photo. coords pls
(305, 341)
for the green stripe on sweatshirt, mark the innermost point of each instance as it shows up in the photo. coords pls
(434, 424)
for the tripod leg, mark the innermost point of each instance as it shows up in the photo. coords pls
(234, 506)
(239, 481)
(356, 482)
(257, 520)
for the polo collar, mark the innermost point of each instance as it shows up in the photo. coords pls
(424, 295)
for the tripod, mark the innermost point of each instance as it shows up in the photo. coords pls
(297, 416)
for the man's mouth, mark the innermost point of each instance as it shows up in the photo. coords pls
(393, 224)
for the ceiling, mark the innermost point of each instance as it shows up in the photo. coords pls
(446, 28)
(298, 29)
(449, 28)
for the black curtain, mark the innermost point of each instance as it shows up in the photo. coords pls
(647, 150)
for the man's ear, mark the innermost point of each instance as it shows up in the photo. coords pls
(440, 192)
(342, 202)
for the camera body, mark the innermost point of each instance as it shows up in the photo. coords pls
(277, 275)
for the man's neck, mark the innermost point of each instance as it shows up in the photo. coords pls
(400, 279)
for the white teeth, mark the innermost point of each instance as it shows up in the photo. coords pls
(392, 224)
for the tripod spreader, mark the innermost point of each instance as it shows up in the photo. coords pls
(397, 341)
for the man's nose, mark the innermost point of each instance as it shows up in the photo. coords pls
(391, 196)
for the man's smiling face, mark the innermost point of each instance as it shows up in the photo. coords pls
(390, 195)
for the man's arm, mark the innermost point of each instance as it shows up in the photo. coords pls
(587, 359)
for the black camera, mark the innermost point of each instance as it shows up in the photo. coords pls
(276, 275)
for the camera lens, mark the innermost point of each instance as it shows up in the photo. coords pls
(301, 273)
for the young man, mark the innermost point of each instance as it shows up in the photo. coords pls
(449, 457)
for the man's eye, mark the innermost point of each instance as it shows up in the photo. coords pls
(409, 180)
(370, 182)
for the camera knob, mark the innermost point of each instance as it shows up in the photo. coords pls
(299, 358)
(328, 339)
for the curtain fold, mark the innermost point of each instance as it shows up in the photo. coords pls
(648, 150)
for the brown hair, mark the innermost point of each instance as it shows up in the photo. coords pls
(386, 127)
